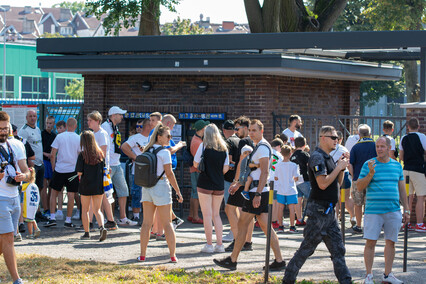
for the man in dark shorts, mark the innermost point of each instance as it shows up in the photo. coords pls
(324, 177)
(47, 138)
(236, 200)
(67, 146)
(258, 203)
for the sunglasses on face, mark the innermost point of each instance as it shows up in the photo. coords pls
(237, 128)
(139, 126)
(332, 137)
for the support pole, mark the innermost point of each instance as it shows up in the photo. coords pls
(404, 263)
(342, 213)
(268, 230)
(423, 74)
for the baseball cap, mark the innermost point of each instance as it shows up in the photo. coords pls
(116, 110)
(228, 125)
(200, 124)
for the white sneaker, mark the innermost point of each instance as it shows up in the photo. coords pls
(369, 279)
(229, 237)
(219, 248)
(59, 215)
(391, 279)
(208, 249)
(126, 221)
(76, 215)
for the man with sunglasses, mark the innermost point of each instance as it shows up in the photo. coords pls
(363, 150)
(324, 176)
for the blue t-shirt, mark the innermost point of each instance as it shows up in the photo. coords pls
(362, 151)
(382, 192)
(172, 144)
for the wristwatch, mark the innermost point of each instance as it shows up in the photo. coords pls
(257, 194)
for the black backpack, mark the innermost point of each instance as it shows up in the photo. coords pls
(146, 168)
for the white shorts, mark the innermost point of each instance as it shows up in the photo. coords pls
(160, 194)
(417, 183)
(390, 222)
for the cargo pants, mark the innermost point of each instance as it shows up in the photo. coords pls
(319, 227)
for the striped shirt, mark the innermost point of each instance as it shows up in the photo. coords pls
(382, 192)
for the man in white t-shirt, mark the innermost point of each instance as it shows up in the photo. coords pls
(17, 170)
(115, 115)
(292, 132)
(67, 146)
(32, 134)
(388, 128)
(258, 203)
(133, 147)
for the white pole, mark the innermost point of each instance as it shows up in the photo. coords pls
(4, 56)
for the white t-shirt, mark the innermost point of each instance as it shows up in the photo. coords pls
(163, 158)
(274, 162)
(422, 140)
(197, 157)
(68, 146)
(261, 152)
(101, 138)
(351, 141)
(292, 135)
(114, 158)
(33, 136)
(132, 141)
(338, 152)
(285, 172)
(18, 149)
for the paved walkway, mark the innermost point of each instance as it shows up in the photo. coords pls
(122, 247)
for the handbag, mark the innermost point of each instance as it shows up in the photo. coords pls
(201, 166)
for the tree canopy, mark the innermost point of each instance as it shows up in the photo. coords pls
(73, 6)
(182, 27)
(75, 89)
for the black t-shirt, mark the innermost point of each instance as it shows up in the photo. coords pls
(301, 158)
(232, 143)
(320, 163)
(212, 178)
(92, 180)
(28, 150)
(47, 140)
(243, 142)
(413, 153)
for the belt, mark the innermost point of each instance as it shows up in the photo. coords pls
(323, 203)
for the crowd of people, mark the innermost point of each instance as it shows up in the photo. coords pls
(237, 166)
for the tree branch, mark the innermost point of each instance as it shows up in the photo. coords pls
(328, 12)
(254, 15)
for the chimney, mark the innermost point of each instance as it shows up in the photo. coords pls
(229, 26)
(28, 26)
(27, 10)
(65, 15)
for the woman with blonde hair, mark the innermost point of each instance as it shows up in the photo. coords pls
(158, 199)
(213, 154)
(90, 168)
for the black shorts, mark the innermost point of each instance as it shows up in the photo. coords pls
(236, 199)
(263, 208)
(39, 175)
(59, 180)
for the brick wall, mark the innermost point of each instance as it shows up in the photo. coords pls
(420, 113)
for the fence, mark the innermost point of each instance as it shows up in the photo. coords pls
(62, 112)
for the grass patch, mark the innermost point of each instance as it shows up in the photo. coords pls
(42, 269)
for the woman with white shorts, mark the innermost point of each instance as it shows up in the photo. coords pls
(159, 197)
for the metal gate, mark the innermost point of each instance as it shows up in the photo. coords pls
(348, 124)
(61, 112)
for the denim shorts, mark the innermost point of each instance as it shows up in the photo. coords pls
(194, 181)
(10, 210)
(304, 189)
(226, 192)
(347, 181)
(390, 222)
(136, 193)
(119, 182)
(287, 199)
(160, 194)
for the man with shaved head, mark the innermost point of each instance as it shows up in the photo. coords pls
(32, 134)
(67, 146)
(382, 179)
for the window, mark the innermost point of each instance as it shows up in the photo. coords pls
(10, 87)
(35, 88)
(66, 30)
(60, 88)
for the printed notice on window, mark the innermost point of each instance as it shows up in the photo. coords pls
(18, 113)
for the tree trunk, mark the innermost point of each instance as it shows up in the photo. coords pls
(254, 15)
(271, 15)
(328, 12)
(150, 19)
(411, 84)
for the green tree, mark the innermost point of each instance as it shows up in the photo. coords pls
(73, 6)
(75, 89)
(126, 13)
(49, 35)
(182, 27)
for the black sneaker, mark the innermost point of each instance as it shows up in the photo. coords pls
(111, 225)
(230, 248)
(103, 235)
(276, 266)
(226, 263)
(247, 246)
(177, 222)
(69, 225)
(50, 223)
(86, 236)
(357, 230)
(91, 228)
(22, 228)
